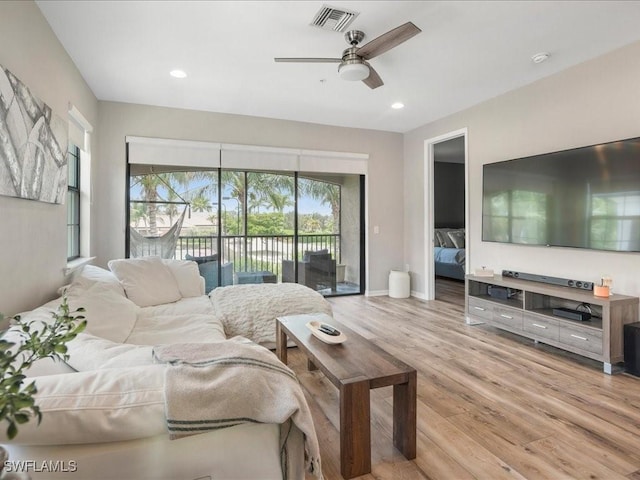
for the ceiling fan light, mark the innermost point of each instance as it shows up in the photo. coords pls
(353, 71)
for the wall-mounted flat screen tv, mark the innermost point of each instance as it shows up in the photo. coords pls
(586, 197)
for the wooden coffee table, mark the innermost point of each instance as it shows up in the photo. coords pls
(355, 367)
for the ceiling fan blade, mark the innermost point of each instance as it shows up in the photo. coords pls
(309, 60)
(388, 40)
(373, 80)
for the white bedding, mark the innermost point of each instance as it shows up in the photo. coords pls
(251, 310)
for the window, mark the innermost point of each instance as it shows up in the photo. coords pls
(73, 203)
(615, 221)
(244, 226)
(517, 216)
(262, 210)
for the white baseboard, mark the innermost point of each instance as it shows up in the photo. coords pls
(376, 293)
(418, 295)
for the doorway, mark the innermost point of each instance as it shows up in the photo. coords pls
(446, 215)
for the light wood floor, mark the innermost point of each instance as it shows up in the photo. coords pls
(491, 405)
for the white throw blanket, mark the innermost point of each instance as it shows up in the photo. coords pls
(222, 384)
(251, 310)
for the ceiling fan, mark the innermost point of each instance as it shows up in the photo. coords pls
(353, 64)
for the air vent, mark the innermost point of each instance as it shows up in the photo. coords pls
(335, 19)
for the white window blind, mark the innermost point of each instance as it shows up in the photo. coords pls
(333, 162)
(163, 151)
(187, 153)
(246, 157)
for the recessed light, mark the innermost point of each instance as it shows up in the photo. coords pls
(540, 57)
(178, 73)
(397, 105)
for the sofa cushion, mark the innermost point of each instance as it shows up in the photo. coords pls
(190, 327)
(88, 352)
(205, 259)
(146, 281)
(187, 276)
(96, 406)
(308, 254)
(109, 315)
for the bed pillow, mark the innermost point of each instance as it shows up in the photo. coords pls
(187, 276)
(108, 314)
(97, 406)
(147, 281)
(442, 238)
(457, 237)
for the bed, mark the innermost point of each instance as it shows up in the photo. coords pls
(449, 252)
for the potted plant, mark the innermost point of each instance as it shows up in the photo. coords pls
(37, 341)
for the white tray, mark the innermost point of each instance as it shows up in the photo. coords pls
(314, 326)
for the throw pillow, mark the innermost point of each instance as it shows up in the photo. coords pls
(187, 276)
(457, 237)
(91, 275)
(147, 281)
(108, 314)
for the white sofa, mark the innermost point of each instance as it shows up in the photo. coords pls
(103, 412)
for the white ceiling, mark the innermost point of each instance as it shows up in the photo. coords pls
(467, 52)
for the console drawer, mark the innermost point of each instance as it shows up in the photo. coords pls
(509, 317)
(541, 326)
(480, 308)
(583, 338)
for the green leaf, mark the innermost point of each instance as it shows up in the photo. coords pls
(21, 418)
(17, 402)
(12, 431)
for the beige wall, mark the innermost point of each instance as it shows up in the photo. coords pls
(33, 235)
(385, 178)
(597, 101)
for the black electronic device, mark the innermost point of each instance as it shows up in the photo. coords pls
(329, 330)
(566, 195)
(572, 314)
(502, 293)
(564, 282)
(632, 348)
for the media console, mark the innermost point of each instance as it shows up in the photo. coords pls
(528, 311)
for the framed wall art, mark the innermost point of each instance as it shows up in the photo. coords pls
(33, 144)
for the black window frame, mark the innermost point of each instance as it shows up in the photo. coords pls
(73, 190)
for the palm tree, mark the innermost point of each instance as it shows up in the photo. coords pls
(278, 200)
(150, 184)
(171, 209)
(201, 203)
(137, 213)
(325, 192)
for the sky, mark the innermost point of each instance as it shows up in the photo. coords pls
(306, 205)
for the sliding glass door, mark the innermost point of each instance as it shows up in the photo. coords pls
(251, 226)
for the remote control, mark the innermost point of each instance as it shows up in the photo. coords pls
(329, 330)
